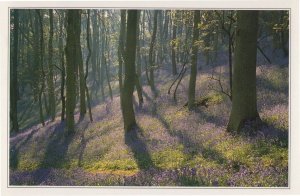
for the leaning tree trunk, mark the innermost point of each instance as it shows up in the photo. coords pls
(50, 74)
(87, 65)
(129, 81)
(192, 83)
(73, 36)
(14, 75)
(244, 103)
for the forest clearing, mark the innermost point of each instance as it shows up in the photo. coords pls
(157, 98)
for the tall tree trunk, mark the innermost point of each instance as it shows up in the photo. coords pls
(192, 83)
(174, 67)
(106, 63)
(138, 65)
(121, 49)
(151, 56)
(63, 75)
(81, 75)
(73, 36)
(50, 74)
(14, 75)
(244, 106)
(87, 65)
(40, 62)
(127, 90)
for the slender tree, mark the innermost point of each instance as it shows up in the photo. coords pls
(39, 59)
(81, 74)
(192, 83)
(244, 106)
(14, 74)
(151, 54)
(129, 81)
(87, 64)
(138, 66)
(51, 94)
(174, 30)
(121, 47)
(62, 67)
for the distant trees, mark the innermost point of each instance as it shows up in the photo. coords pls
(129, 81)
(244, 106)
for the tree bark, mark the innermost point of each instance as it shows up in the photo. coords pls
(138, 65)
(174, 67)
(39, 62)
(14, 75)
(244, 103)
(73, 36)
(129, 82)
(151, 51)
(121, 48)
(193, 76)
(51, 94)
(82, 82)
(87, 65)
(63, 75)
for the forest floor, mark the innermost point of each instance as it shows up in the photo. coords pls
(170, 147)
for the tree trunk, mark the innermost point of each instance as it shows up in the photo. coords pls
(14, 75)
(87, 65)
(82, 82)
(192, 83)
(106, 63)
(121, 48)
(138, 65)
(129, 82)
(244, 106)
(73, 36)
(50, 74)
(174, 67)
(151, 51)
(40, 62)
(63, 75)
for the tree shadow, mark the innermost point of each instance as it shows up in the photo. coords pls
(218, 121)
(135, 140)
(55, 153)
(190, 146)
(264, 83)
(15, 150)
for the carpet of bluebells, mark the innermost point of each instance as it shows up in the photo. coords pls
(170, 146)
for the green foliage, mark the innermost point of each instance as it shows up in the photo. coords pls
(169, 158)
